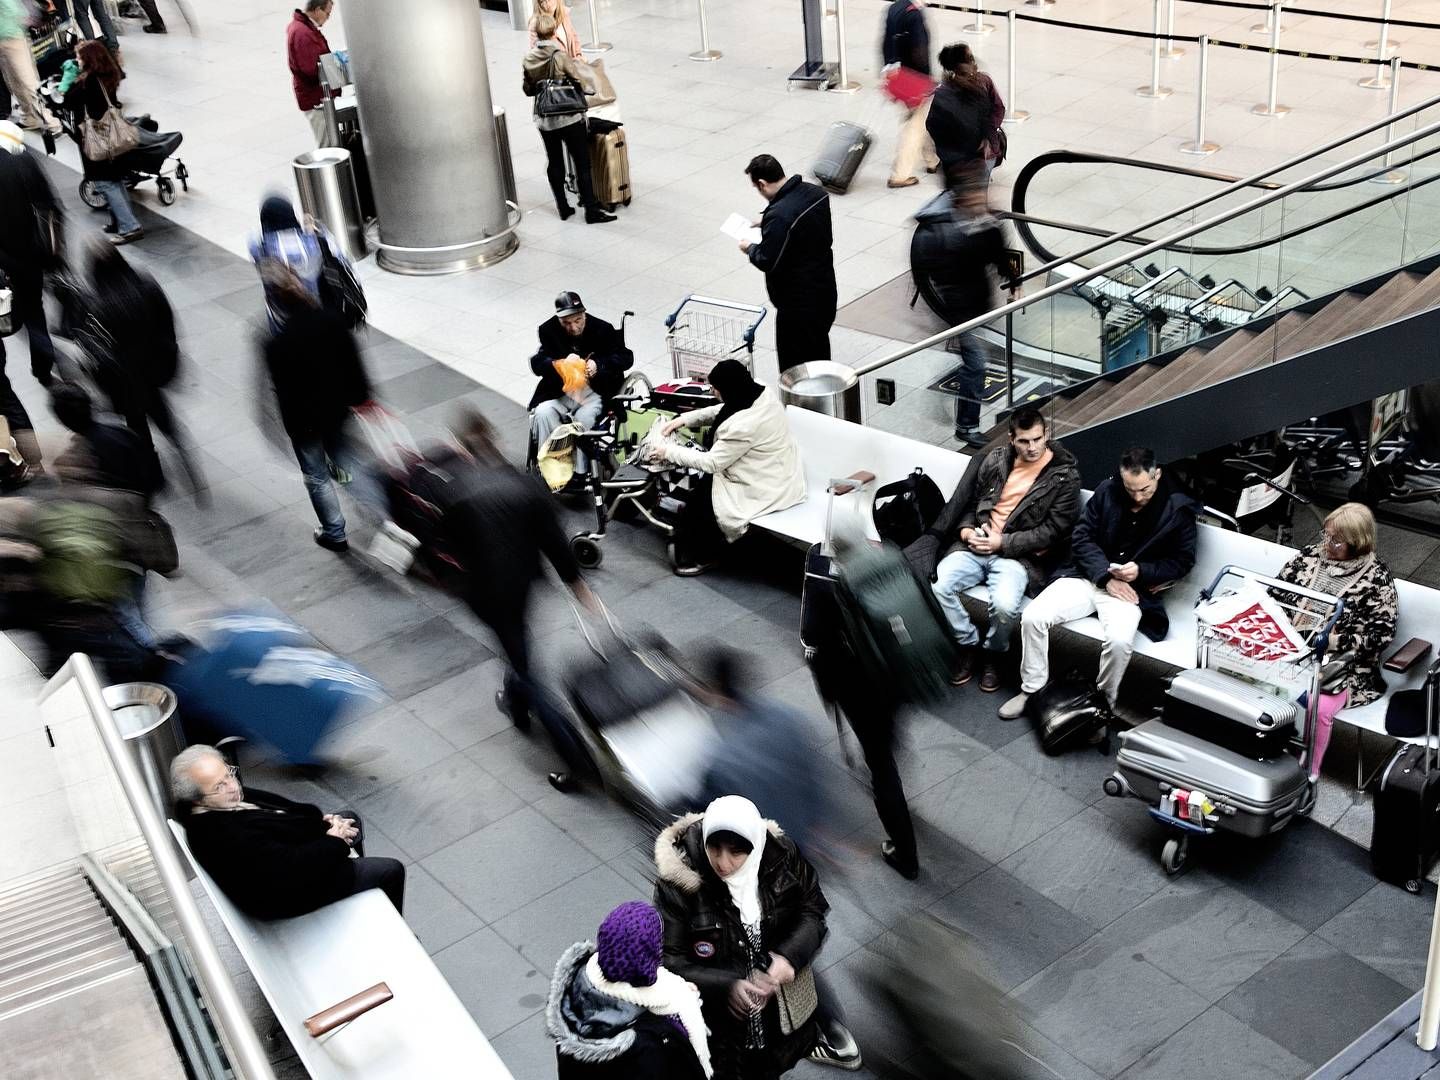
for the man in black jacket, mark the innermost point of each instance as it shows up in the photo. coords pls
(1008, 527)
(1135, 539)
(274, 859)
(794, 252)
(572, 336)
(906, 43)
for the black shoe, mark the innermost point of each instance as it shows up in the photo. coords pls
(110, 230)
(155, 28)
(563, 782)
(519, 717)
(964, 667)
(337, 546)
(566, 212)
(971, 437)
(909, 871)
(695, 569)
(989, 676)
(595, 216)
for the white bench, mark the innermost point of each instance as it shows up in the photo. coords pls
(307, 964)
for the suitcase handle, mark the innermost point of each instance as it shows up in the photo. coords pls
(1432, 708)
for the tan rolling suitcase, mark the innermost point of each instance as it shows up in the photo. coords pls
(609, 165)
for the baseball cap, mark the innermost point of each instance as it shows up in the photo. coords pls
(568, 303)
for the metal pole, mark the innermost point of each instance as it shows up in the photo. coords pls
(1384, 43)
(1012, 114)
(1154, 89)
(596, 46)
(844, 86)
(1199, 145)
(1010, 358)
(1270, 107)
(1170, 52)
(1264, 27)
(979, 27)
(1394, 176)
(704, 54)
(1379, 81)
(1429, 1031)
(1040, 3)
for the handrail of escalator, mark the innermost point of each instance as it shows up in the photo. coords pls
(1024, 221)
(1264, 199)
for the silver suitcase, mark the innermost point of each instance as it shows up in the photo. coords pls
(1252, 798)
(1231, 712)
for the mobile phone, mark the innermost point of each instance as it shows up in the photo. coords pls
(1115, 566)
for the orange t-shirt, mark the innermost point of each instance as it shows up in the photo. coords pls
(1022, 476)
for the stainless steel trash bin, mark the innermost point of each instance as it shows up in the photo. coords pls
(507, 163)
(519, 14)
(145, 715)
(824, 387)
(325, 179)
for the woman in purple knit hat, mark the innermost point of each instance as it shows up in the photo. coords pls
(614, 1012)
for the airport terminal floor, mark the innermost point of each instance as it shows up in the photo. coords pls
(1265, 959)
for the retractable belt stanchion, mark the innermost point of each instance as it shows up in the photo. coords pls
(1392, 176)
(704, 54)
(1198, 145)
(979, 27)
(1170, 52)
(844, 86)
(596, 46)
(1012, 114)
(1153, 89)
(1380, 80)
(1385, 43)
(1264, 27)
(1270, 107)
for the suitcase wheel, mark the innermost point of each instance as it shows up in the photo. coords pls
(586, 551)
(1173, 854)
(1414, 885)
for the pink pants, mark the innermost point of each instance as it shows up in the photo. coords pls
(1330, 704)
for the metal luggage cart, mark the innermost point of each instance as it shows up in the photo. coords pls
(702, 331)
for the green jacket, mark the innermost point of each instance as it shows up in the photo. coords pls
(12, 19)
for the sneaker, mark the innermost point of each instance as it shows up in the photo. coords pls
(837, 1048)
(1015, 707)
(695, 569)
(596, 216)
(121, 239)
(989, 676)
(964, 667)
(337, 546)
(909, 181)
(908, 870)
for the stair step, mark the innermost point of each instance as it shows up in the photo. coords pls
(1422, 296)
(64, 955)
(1142, 392)
(58, 918)
(1132, 387)
(20, 1000)
(1347, 314)
(37, 882)
(1227, 360)
(42, 895)
(101, 923)
(24, 982)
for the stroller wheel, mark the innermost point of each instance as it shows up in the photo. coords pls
(166, 191)
(90, 197)
(586, 551)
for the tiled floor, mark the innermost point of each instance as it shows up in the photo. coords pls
(1261, 961)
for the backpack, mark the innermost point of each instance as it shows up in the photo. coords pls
(905, 509)
(419, 500)
(895, 626)
(340, 290)
(81, 550)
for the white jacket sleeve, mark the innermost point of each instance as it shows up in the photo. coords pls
(700, 417)
(729, 447)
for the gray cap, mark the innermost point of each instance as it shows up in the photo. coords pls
(568, 303)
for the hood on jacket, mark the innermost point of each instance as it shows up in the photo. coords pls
(537, 63)
(586, 1025)
(672, 863)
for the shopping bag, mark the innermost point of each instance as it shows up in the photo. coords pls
(907, 86)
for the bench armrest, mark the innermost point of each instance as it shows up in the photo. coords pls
(343, 1012)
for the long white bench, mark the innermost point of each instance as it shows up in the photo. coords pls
(831, 448)
(308, 964)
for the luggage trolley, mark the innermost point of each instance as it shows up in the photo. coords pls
(702, 331)
(1196, 786)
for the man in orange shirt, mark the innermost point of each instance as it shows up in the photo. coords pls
(1008, 527)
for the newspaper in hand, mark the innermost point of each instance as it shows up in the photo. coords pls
(739, 228)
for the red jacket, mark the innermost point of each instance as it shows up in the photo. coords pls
(304, 45)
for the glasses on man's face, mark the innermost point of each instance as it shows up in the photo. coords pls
(230, 774)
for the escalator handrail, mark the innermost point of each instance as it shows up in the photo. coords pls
(1263, 199)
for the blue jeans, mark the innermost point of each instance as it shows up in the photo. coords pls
(1006, 580)
(312, 455)
(972, 381)
(80, 12)
(118, 200)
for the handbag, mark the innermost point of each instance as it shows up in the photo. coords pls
(593, 80)
(559, 97)
(907, 86)
(110, 136)
(999, 147)
(340, 290)
(798, 1001)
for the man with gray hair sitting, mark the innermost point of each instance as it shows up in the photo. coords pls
(274, 859)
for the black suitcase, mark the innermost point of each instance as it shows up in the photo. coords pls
(1406, 829)
(841, 153)
(1230, 713)
(1067, 712)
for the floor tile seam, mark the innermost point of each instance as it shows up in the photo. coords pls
(484, 925)
(604, 858)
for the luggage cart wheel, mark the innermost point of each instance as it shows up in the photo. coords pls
(1172, 855)
(166, 191)
(1112, 787)
(1414, 885)
(586, 551)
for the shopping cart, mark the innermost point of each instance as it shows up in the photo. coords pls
(702, 331)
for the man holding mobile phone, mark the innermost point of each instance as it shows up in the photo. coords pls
(1135, 538)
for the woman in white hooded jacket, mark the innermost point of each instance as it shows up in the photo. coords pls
(752, 462)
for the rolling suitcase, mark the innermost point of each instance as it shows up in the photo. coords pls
(609, 164)
(841, 153)
(1406, 829)
(1231, 713)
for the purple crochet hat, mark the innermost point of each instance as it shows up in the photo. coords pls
(630, 942)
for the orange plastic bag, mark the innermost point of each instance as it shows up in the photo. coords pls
(572, 372)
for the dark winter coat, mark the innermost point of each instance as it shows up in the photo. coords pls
(959, 124)
(1166, 555)
(112, 456)
(87, 100)
(956, 252)
(599, 341)
(316, 370)
(598, 1037)
(705, 942)
(275, 862)
(794, 249)
(1037, 532)
(907, 37)
(25, 193)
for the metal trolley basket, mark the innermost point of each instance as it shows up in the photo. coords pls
(702, 331)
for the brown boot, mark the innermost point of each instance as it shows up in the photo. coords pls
(964, 666)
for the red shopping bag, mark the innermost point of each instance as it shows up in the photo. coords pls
(907, 86)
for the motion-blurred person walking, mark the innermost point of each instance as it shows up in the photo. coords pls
(301, 249)
(29, 219)
(905, 44)
(965, 117)
(17, 67)
(91, 96)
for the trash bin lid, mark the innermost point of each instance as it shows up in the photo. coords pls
(139, 708)
(327, 157)
(819, 379)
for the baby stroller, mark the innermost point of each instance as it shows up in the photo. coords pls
(146, 162)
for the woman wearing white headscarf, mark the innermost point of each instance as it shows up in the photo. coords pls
(744, 917)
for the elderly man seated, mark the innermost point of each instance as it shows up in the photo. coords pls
(581, 361)
(274, 859)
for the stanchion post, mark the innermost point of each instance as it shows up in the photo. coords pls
(1270, 107)
(1380, 80)
(1384, 43)
(979, 27)
(1170, 52)
(844, 86)
(1199, 145)
(704, 54)
(596, 46)
(1264, 27)
(1153, 89)
(1429, 1027)
(1391, 176)
(1040, 3)
(1012, 114)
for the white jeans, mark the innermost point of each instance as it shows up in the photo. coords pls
(17, 68)
(915, 145)
(318, 126)
(1064, 601)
